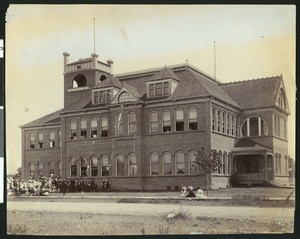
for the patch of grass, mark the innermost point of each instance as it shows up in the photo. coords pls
(173, 216)
(17, 229)
(249, 200)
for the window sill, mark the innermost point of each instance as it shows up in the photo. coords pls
(175, 132)
(79, 89)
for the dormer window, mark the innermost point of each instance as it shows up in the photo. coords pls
(159, 89)
(125, 97)
(102, 96)
(281, 99)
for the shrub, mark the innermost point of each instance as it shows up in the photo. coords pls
(172, 216)
(17, 229)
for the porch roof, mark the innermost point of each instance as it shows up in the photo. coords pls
(247, 146)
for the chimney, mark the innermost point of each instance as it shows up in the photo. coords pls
(95, 57)
(110, 63)
(66, 60)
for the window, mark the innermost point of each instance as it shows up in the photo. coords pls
(218, 120)
(73, 129)
(119, 124)
(94, 128)
(276, 164)
(132, 123)
(40, 169)
(224, 164)
(180, 165)
(228, 128)
(179, 120)
(192, 160)
(154, 164)
(79, 81)
(32, 141)
(41, 139)
(213, 119)
(233, 119)
(105, 168)
(104, 126)
(73, 167)
(31, 170)
(153, 122)
(229, 163)
(83, 130)
(125, 97)
(59, 169)
(286, 165)
(52, 139)
(59, 138)
(192, 118)
(223, 122)
(120, 165)
(166, 121)
(94, 166)
(84, 167)
(254, 126)
(158, 89)
(281, 99)
(166, 88)
(102, 96)
(279, 164)
(51, 168)
(132, 167)
(151, 90)
(167, 163)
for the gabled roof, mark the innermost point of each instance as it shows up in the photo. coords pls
(165, 73)
(254, 93)
(52, 118)
(110, 81)
(132, 90)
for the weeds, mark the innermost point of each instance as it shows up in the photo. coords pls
(17, 229)
(86, 216)
(248, 199)
(143, 231)
(172, 216)
(163, 231)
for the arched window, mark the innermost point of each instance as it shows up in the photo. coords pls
(41, 140)
(94, 127)
(84, 167)
(40, 169)
(120, 165)
(132, 123)
(52, 139)
(94, 166)
(192, 118)
(281, 99)
(73, 166)
(73, 129)
(166, 121)
(254, 126)
(119, 123)
(153, 118)
(79, 81)
(125, 97)
(132, 164)
(32, 140)
(213, 119)
(154, 164)
(83, 129)
(103, 77)
(180, 164)
(104, 126)
(105, 167)
(167, 163)
(192, 164)
(179, 125)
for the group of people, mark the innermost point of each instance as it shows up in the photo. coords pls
(189, 192)
(44, 186)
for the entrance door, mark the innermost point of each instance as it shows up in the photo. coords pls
(270, 169)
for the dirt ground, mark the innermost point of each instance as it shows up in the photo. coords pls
(48, 223)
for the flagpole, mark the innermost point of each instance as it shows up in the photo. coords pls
(215, 62)
(94, 38)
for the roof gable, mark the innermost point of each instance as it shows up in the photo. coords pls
(165, 73)
(110, 81)
(132, 91)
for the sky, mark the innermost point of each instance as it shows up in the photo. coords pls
(251, 41)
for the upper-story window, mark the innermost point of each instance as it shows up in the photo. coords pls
(159, 88)
(132, 123)
(84, 166)
(179, 126)
(73, 167)
(105, 166)
(280, 127)
(32, 140)
(218, 120)
(154, 164)
(213, 119)
(125, 97)
(73, 129)
(94, 128)
(132, 164)
(192, 118)
(120, 165)
(104, 126)
(254, 126)
(223, 122)
(59, 137)
(281, 99)
(153, 118)
(102, 96)
(83, 129)
(52, 139)
(119, 123)
(94, 166)
(79, 81)
(41, 140)
(166, 121)
(228, 129)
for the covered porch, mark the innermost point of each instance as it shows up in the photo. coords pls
(252, 163)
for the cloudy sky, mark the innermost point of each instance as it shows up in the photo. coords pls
(251, 42)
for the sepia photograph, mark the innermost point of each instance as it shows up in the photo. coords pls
(150, 119)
